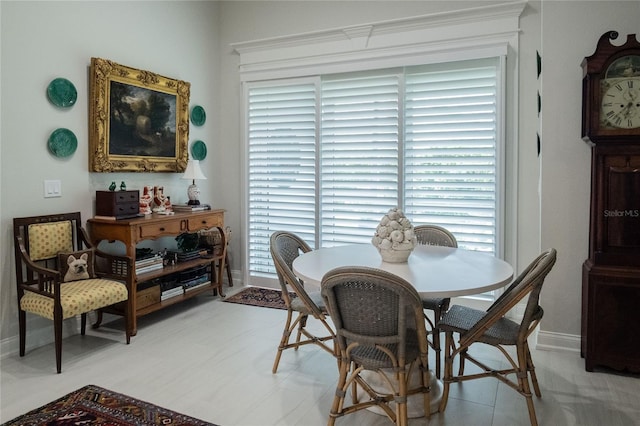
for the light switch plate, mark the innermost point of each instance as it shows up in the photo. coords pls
(52, 188)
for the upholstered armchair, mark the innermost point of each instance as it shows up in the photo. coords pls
(59, 275)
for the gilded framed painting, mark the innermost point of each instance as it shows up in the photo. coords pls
(138, 120)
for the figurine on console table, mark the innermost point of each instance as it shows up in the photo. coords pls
(146, 199)
(161, 201)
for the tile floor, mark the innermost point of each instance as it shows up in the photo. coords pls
(212, 360)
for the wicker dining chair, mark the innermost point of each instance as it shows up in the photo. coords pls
(380, 329)
(43, 246)
(437, 236)
(285, 247)
(491, 327)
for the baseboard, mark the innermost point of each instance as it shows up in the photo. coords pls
(550, 341)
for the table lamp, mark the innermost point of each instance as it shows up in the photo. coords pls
(193, 172)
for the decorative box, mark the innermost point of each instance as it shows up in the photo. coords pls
(118, 204)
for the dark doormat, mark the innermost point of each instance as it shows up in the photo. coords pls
(259, 296)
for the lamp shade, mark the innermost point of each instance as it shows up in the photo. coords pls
(193, 171)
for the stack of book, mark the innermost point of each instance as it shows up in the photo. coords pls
(194, 278)
(195, 283)
(170, 289)
(184, 256)
(148, 263)
(190, 208)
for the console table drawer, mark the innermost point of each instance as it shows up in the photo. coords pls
(154, 230)
(148, 297)
(126, 209)
(196, 224)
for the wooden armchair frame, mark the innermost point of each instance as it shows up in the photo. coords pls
(43, 278)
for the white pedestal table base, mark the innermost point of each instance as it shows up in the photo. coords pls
(415, 404)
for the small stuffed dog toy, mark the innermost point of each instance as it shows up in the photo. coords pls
(78, 269)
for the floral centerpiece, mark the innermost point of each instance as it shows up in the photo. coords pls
(394, 237)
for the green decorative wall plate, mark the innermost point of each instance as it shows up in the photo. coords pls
(62, 93)
(62, 143)
(198, 116)
(199, 150)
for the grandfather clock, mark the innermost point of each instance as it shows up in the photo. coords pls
(611, 274)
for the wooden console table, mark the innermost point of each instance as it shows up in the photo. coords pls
(132, 231)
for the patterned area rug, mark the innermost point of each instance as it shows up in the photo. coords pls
(92, 405)
(258, 296)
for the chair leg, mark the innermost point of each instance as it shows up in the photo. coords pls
(57, 331)
(462, 357)
(341, 390)
(532, 372)
(96, 324)
(338, 399)
(127, 331)
(401, 400)
(448, 369)
(301, 326)
(523, 382)
(436, 340)
(426, 385)
(22, 320)
(226, 265)
(83, 323)
(284, 341)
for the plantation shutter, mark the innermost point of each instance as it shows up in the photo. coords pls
(451, 150)
(358, 156)
(281, 167)
(328, 157)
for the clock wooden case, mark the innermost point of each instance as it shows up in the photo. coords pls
(611, 274)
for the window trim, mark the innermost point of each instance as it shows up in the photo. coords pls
(440, 37)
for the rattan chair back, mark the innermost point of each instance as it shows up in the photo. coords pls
(527, 284)
(379, 325)
(285, 247)
(435, 235)
(494, 328)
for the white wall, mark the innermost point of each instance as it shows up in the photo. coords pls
(45, 40)
(570, 31)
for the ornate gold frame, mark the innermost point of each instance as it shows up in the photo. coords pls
(102, 157)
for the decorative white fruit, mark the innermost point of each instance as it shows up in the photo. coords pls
(394, 237)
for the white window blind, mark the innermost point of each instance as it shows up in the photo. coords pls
(281, 167)
(359, 156)
(450, 150)
(328, 160)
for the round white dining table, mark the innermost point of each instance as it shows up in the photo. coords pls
(434, 271)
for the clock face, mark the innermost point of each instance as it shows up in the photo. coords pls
(611, 92)
(620, 107)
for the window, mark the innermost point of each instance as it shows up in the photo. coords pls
(451, 151)
(329, 156)
(281, 167)
(342, 124)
